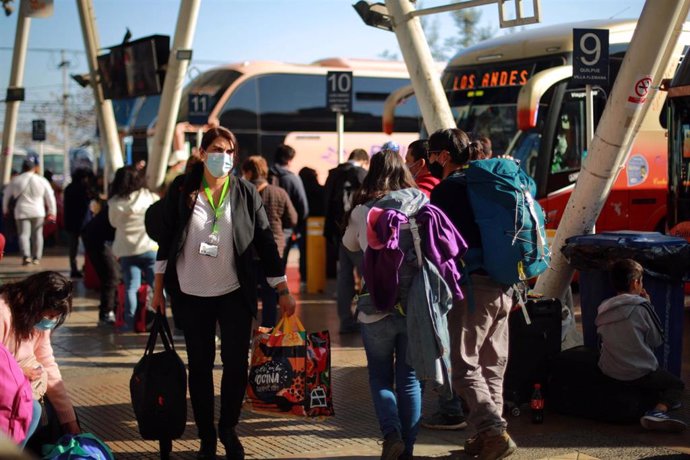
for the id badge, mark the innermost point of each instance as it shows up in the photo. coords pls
(210, 250)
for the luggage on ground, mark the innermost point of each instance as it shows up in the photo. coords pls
(84, 446)
(532, 350)
(144, 315)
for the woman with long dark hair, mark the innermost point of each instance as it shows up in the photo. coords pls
(395, 390)
(29, 311)
(213, 225)
(135, 250)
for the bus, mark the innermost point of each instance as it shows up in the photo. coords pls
(678, 124)
(517, 90)
(270, 103)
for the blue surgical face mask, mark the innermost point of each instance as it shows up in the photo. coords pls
(219, 164)
(46, 324)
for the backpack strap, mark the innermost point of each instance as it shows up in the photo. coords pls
(414, 228)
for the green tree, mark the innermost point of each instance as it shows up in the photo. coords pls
(468, 31)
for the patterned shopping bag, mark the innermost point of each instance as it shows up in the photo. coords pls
(290, 371)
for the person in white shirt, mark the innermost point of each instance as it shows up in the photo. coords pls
(35, 204)
(132, 246)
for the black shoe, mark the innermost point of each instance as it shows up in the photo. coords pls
(207, 451)
(393, 446)
(233, 446)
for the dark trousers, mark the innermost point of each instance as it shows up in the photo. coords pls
(269, 299)
(200, 316)
(73, 241)
(108, 270)
(669, 387)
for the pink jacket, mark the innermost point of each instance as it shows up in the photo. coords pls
(33, 351)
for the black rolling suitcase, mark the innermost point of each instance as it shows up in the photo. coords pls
(578, 387)
(533, 348)
(158, 388)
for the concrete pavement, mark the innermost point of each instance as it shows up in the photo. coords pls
(97, 363)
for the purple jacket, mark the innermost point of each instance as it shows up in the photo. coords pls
(441, 244)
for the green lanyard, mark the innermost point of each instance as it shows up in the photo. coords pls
(217, 210)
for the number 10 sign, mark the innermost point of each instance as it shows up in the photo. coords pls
(591, 56)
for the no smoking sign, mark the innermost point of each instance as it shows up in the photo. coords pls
(640, 90)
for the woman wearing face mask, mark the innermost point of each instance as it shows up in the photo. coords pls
(417, 161)
(132, 246)
(29, 310)
(213, 225)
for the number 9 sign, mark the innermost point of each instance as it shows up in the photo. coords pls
(591, 56)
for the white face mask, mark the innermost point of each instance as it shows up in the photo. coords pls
(219, 164)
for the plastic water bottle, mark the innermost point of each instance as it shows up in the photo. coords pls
(537, 404)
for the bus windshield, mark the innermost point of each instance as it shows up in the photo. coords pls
(484, 97)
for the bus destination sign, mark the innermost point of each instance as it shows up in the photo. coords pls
(470, 79)
(591, 56)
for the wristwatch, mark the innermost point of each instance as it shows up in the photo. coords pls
(282, 292)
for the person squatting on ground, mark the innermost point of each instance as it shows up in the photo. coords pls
(281, 214)
(341, 185)
(630, 330)
(213, 226)
(133, 247)
(34, 195)
(29, 311)
(478, 329)
(394, 308)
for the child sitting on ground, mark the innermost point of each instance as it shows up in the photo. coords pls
(630, 330)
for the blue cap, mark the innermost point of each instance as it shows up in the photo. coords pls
(390, 146)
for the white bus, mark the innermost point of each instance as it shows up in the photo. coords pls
(270, 103)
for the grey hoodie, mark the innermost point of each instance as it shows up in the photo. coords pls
(630, 330)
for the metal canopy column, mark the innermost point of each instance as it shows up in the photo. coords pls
(104, 107)
(172, 93)
(663, 20)
(21, 40)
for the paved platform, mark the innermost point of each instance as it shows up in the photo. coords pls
(97, 363)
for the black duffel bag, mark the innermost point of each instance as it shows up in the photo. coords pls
(159, 389)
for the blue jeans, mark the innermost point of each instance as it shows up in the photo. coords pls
(35, 418)
(395, 390)
(132, 269)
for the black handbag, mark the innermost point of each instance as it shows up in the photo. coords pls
(159, 389)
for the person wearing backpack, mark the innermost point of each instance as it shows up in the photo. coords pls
(29, 311)
(279, 174)
(478, 325)
(341, 185)
(403, 243)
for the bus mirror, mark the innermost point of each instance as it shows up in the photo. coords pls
(663, 114)
(665, 84)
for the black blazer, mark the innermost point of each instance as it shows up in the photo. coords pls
(250, 228)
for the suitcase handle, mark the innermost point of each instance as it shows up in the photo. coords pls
(160, 327)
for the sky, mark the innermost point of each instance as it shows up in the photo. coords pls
(297, 31)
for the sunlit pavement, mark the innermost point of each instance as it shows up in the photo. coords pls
(96, 364)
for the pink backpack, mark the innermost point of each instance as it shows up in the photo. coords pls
(16, 398)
